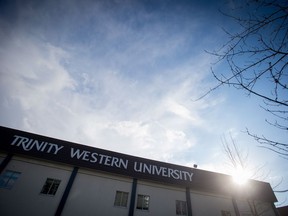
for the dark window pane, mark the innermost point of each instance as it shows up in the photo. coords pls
(51, 186)
(8, 179)
(143, 202)
(121, 199)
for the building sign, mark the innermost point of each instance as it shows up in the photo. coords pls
(15, 141)
(45, 148)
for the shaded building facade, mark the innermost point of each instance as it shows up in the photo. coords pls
(46, 176)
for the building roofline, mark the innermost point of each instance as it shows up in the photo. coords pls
(78, 155)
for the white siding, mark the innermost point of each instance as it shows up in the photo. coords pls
(246, 207)
(162, 199)
(25, 198)
(95, 194)
(209, 204)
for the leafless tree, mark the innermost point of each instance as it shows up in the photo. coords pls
(256, 61)
(238, 159)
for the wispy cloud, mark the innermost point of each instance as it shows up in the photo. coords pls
(123, 76)
(116, 76)
(105, 109)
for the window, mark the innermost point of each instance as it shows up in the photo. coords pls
(181, 208)
(121, 199)
(50, 187)
(143, 202)
(225, 213)
(8, 179)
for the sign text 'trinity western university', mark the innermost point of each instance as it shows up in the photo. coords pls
(92, 157)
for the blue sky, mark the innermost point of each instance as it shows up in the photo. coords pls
(124, 76)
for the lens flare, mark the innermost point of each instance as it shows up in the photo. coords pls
(240, 176)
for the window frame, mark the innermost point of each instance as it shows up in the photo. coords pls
(182, 210)
(9, 178)
(124, 197)
(52, 184)
(144, 206)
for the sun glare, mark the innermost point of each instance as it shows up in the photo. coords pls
(240, 177)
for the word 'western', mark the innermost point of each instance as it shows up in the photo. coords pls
(94, 157)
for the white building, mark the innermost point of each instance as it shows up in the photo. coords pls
(46, 176)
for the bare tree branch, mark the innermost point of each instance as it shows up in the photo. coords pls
(256, 60)
(237, 158)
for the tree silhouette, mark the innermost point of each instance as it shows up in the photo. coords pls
(238, 160)
(256, 60)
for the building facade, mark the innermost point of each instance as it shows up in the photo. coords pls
(46, 176)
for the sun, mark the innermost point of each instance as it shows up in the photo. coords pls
(240, 176)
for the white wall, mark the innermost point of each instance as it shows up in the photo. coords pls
(94, 194)
(25, 198)
(246, 207)
(209, 204)
(162, 199)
